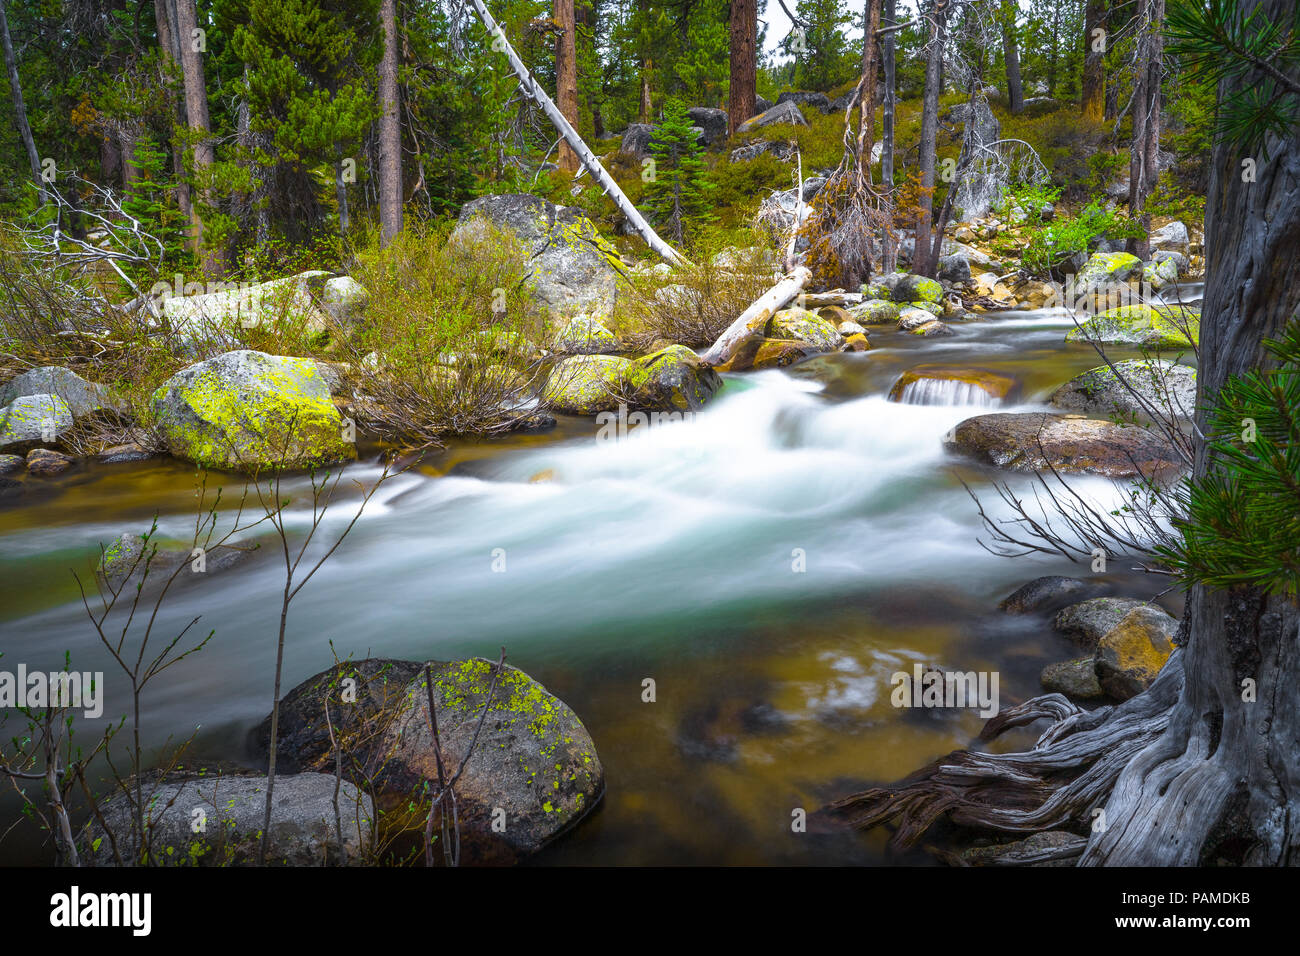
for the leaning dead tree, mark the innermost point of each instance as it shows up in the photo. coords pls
(574, 141)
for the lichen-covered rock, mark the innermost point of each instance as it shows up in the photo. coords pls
(534, 770)
(760, 353)
(1076, 679)
(786, 112)
(917, 289)
(1131, 653)
(1087, 622)
(672, 379)
(1168, 388)
(231, 811)
(952, 385)
(1044, 594)
(298, 300)
(910, 319)
(83, 397)
(32, 420)
(1106, 267)
(876, 312)
(572, 265)
(246, 411)
(583, 335)
(1168, 327)
(586, 384)
(804, 326)
(1029, 441)
(856, 342)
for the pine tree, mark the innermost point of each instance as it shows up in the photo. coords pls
(677, 193)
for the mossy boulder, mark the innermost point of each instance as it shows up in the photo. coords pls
(1169, 327)
(583, 335)
(534, 768)
(672, 379)
(876, 312)
(1165, 387)
(32, 420)
(1131, 653)
(1105, 267)
(586, 384)
(247, 411)
(1030, 441)
(912, 288)
(800, 325)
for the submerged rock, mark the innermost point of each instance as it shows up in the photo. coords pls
(1044, 594)
(1170, 327)
(1030, 441)
(44, 463)
(246, 411)
(951, 385)
(304, 829)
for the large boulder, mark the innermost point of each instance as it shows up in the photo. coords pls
(1087, 622)
(572, 265)
(1107, 267)
(876, 312)
(583, 335)
(32, 420)
(671, 379)
(216, 820)
(301, 300)
(1166, 327)
(712, 122)
(247, 410)
(916, 289)
(802, 325)
(1172, 237)
(1131, 653)
(636, 140)
(533, 772)
(83, 397)
(1031, 441)
(1164, 386)
(786, 112)
(818, 101)
(586, 384)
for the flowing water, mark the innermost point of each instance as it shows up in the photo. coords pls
(769, 563)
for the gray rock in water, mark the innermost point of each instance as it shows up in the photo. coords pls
(712, 123)
(1087, 622)
(786, 112)
(1076, 679)
(1163, 386)
(231, 808)
(1045, 594)
(32, 420)
(572, 265)
(83, 397)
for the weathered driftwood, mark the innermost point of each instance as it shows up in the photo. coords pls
(570, 136)
(754, 319)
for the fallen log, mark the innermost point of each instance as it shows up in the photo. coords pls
(754, 319)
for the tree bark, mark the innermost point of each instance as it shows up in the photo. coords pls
(1143, 168)
(744, 63)
(1093, 99)
(20, 109)
(196, 113)
(566, 78)
(923, 262)
(390, 130)
(170, 57)
(1227, 771)
(1011, 57)
(888, 247)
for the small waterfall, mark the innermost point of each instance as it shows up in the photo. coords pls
(945, 391)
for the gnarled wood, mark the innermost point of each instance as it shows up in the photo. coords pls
(752, 321)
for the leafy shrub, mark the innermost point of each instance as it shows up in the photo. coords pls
(1050, 246)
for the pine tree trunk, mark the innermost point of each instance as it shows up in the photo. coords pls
(923, 260)
(1011, 57)
(867, 102)
(1093, 99)
(744, 62)
(20, 109)
(196, 113)
(566, 78)
(1223, 781)
(1143, 168)
(170, 55)
(390, 130)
